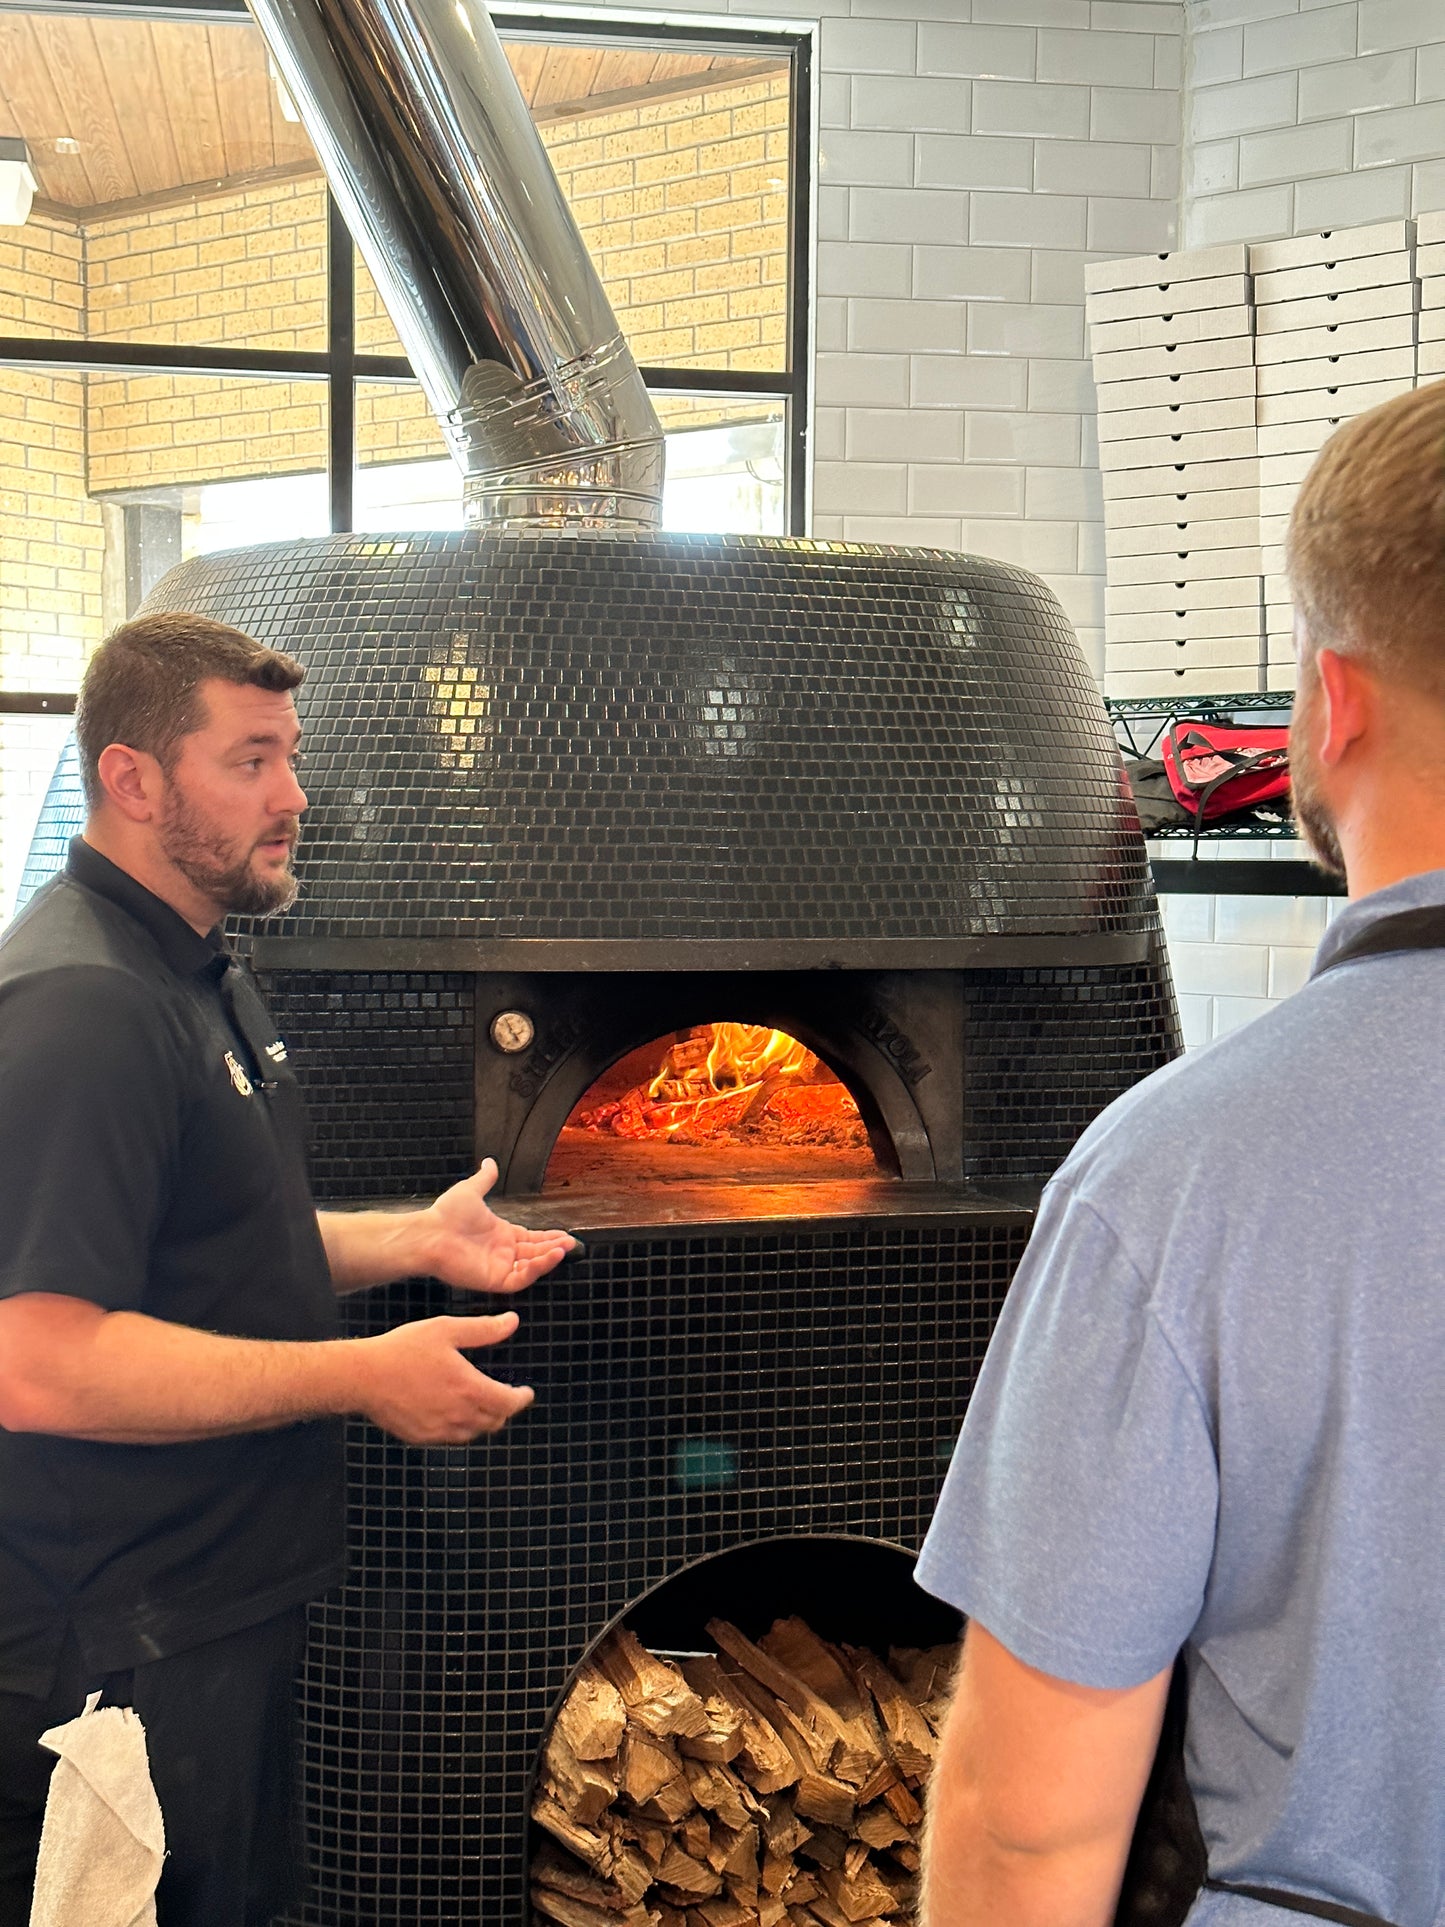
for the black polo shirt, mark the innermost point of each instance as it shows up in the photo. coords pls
(152, 1160)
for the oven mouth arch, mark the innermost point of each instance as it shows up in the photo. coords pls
(653, 1007)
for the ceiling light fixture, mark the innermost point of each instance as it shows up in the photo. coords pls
(17, 183)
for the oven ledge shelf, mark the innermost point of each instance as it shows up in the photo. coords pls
(684, 1209)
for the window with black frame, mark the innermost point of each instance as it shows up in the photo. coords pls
(192, 357)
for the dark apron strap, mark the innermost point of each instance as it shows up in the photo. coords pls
(1406, 930)
(1298, 1904)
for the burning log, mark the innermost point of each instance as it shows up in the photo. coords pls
(734, 1084)
(776, 1784)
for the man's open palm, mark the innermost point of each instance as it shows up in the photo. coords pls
(472, 1249)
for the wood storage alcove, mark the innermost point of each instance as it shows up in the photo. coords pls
(748, 1743)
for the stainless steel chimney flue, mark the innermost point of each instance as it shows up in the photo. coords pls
(430, 151)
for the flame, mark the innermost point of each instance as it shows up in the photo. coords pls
(727, 1082)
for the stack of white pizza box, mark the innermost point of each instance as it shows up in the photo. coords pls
(1171, 339)
(1430, 266)
(1335, 334)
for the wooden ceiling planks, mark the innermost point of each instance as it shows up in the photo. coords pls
(183, 56)
(567, 74)
(526, 60)
(144, 112)
(39, 118)
(243, 92)
(78, 77)
(160, 105)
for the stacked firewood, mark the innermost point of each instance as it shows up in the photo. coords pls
(776, 1783)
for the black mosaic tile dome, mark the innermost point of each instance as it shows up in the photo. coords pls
(539, 736)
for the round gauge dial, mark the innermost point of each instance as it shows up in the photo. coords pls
(512, 1031)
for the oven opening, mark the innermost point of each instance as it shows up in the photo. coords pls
(741, 1101)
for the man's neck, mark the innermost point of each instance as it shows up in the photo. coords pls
(141, 860)
(1407, 841)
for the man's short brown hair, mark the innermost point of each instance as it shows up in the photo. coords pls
(142, 686)
(1366, 545)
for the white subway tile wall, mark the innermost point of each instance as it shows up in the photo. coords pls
(1304, 117)
(975, 154)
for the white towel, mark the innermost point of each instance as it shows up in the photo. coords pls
(103, 1842)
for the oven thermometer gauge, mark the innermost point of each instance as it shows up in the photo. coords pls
(512, 1031)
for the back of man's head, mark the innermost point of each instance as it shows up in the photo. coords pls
(142, 686)
(1366, 545)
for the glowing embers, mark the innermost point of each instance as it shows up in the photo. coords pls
(714, 1100)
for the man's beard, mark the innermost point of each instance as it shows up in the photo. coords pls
(1312, 818)
(191, 844)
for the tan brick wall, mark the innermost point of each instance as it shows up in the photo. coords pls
(683, 205)
(245, 267)
(42, 279)
(51, 539)
(394, 423)
(151, 430)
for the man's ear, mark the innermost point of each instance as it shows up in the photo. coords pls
(132, 781)
(1346, 707)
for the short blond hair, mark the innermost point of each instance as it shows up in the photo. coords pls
(1366, 543)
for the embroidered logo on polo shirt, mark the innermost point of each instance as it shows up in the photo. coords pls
(238, 1076)
(276, 1052)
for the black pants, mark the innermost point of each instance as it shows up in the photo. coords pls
(219, 1724)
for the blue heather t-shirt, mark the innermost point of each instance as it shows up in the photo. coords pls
(1214, 1412)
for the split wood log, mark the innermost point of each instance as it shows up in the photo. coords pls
(724, 1738)
(721, 1792)
(695, 1833)
(649, 1839)
(626, 1867)
(647, 1765)
(927, 1677)
(577, 1913)
(556, 1871)
(656, 1695)
(589, 1847)
(592, 1718)
(910, 1738)
(761, 1758)
(880, 1827)
(860, 1896)
(578, 1786)
(794, 1644)
(688, 1876)
(851, 1755)
(733, 1852)
(903, 1803)
(722, 1912)
(783, 1831)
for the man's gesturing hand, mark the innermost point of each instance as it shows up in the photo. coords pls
(415, 1383)
(468, 1246)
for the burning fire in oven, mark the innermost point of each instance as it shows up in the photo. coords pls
(733, 1084)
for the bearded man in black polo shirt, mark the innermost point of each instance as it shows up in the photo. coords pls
(171, 1380)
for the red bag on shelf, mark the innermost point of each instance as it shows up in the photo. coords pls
(1215, 769)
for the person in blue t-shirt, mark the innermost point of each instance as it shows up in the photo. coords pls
(1212, 1420)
